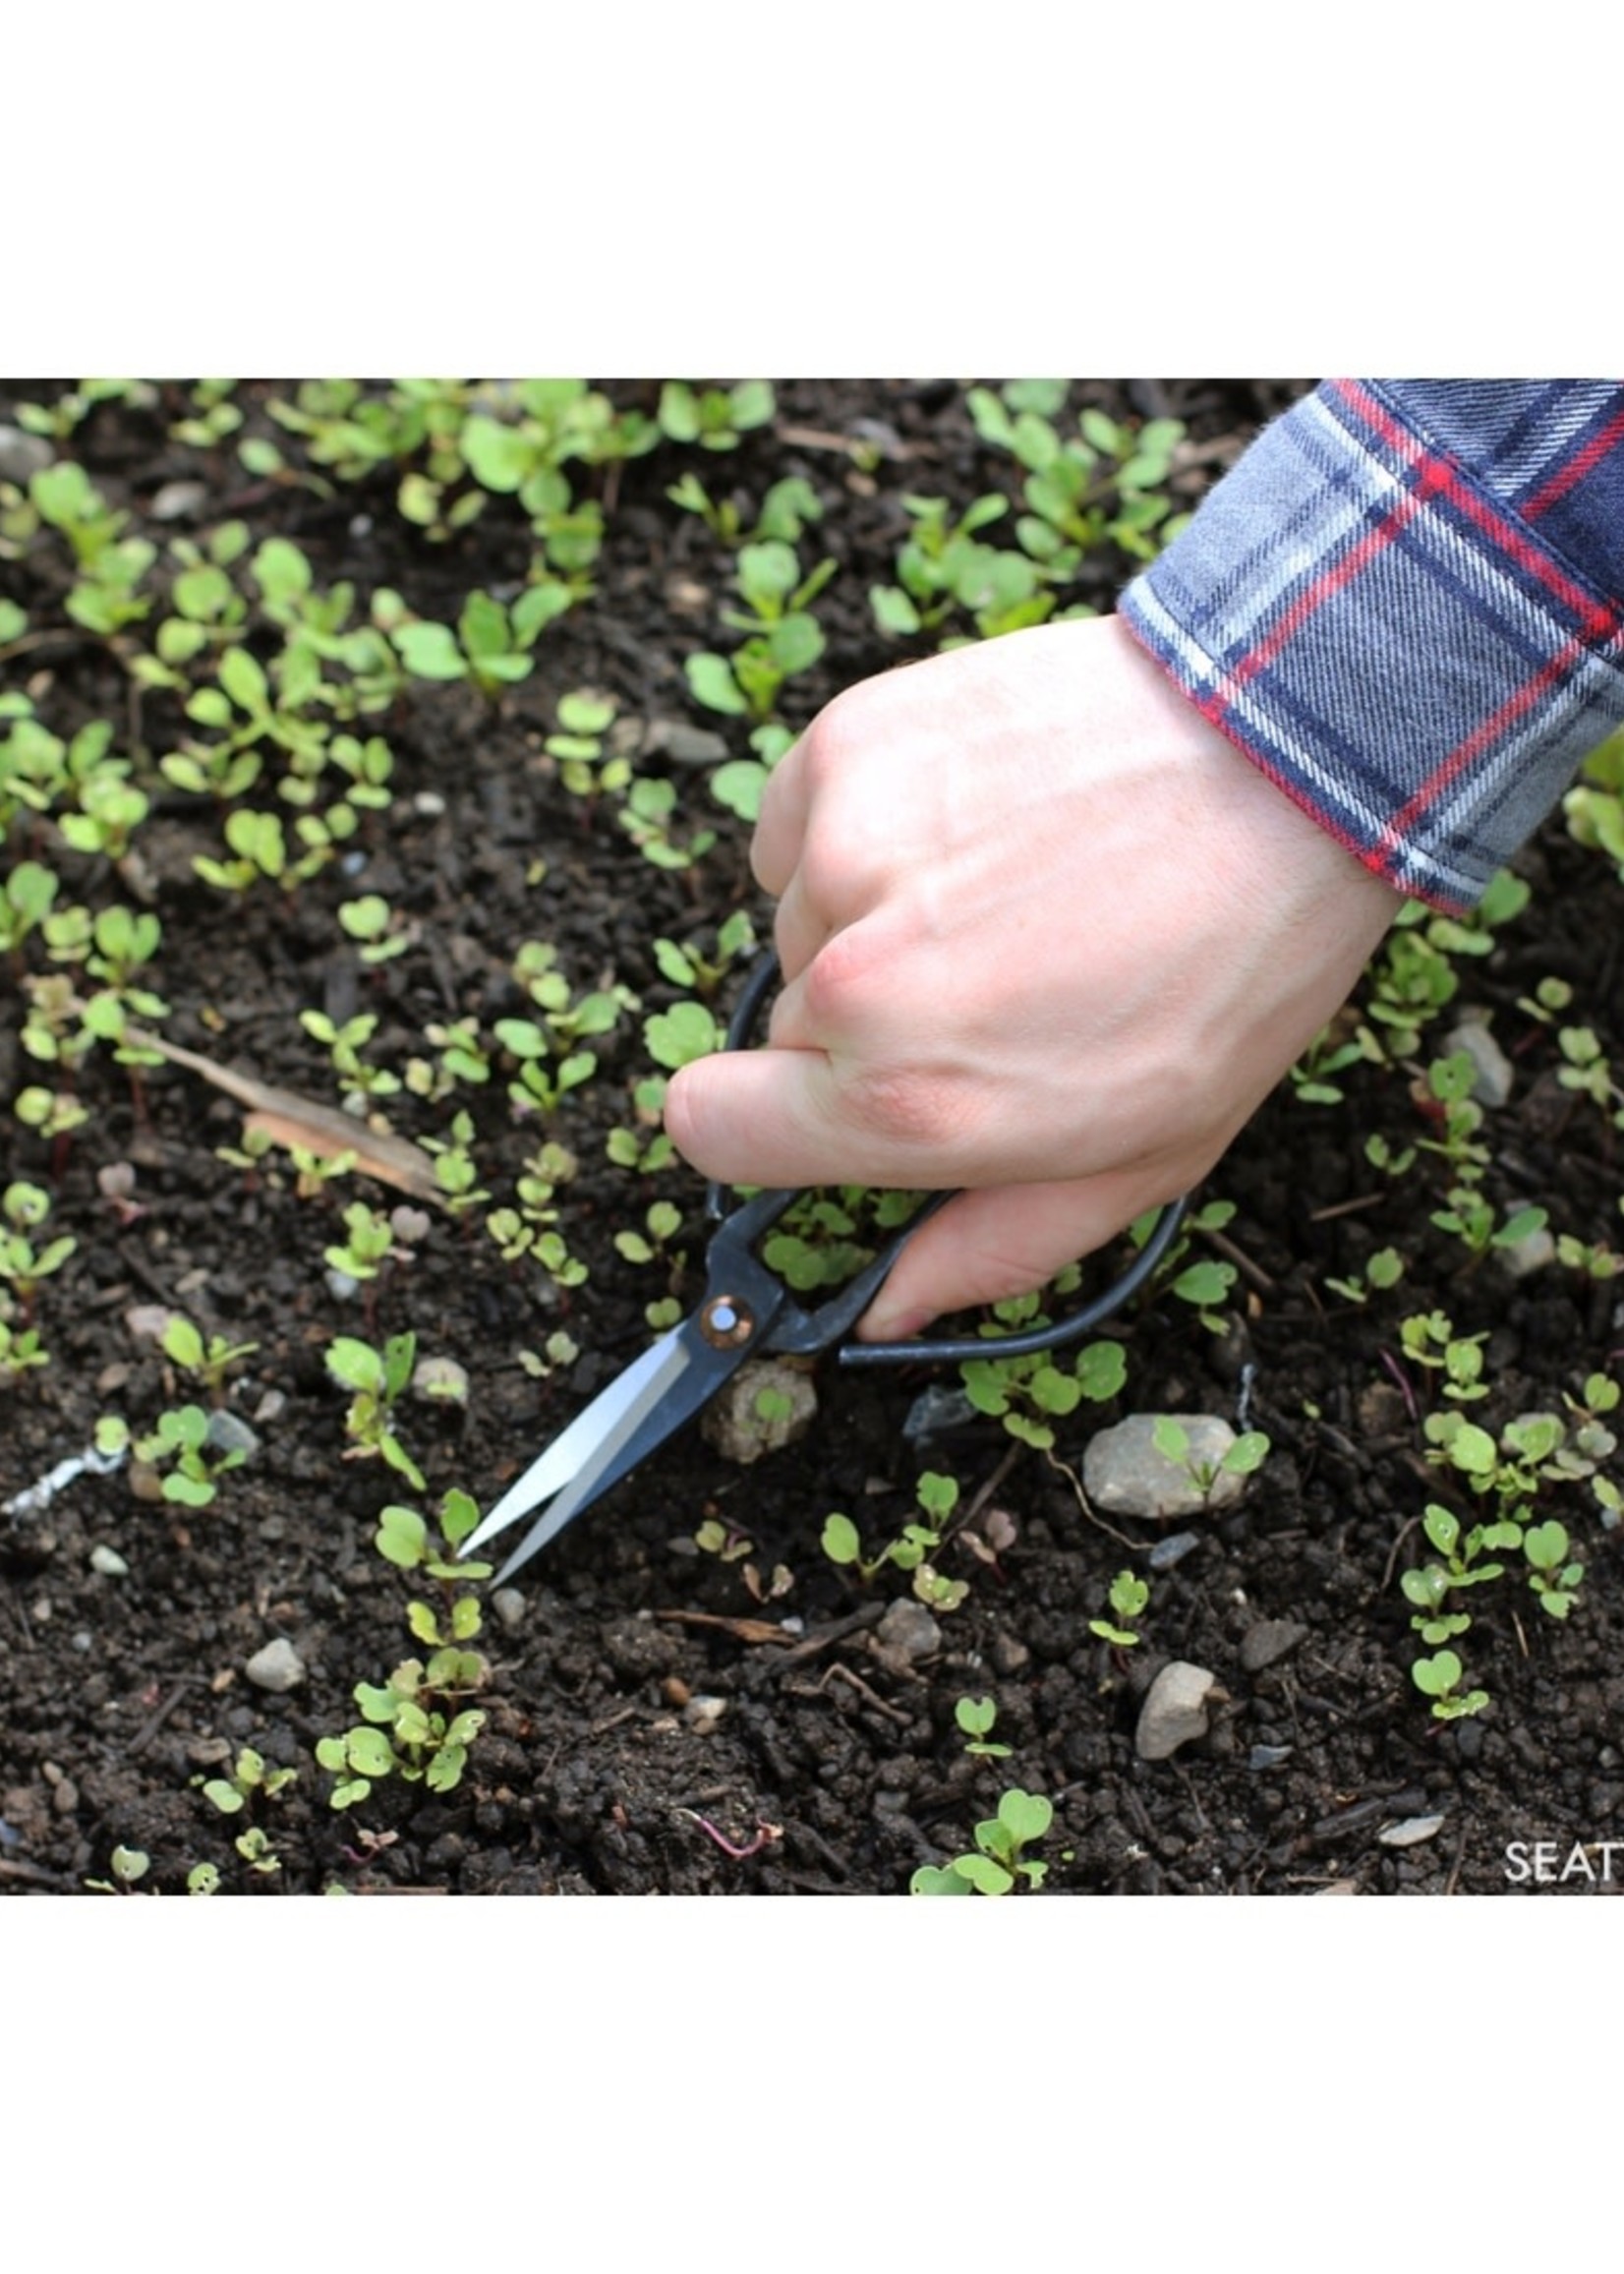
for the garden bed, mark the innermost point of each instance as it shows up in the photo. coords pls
(685, 1694)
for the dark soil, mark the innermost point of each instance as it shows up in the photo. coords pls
(646, 1715)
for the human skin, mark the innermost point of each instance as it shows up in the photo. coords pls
(1046, 935)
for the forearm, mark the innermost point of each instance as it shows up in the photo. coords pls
(1406, 604)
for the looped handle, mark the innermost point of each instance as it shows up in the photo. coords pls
(834, 1318)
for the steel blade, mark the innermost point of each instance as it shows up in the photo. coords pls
(567, 1453)
(667, 1398)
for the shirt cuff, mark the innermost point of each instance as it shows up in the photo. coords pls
(1373, 607)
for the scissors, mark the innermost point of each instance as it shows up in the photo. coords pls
(745, 1312)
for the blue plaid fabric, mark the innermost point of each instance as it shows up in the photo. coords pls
(1406, 604)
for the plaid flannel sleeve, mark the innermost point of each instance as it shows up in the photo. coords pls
(1405, 604)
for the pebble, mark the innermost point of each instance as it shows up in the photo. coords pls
(1173, 1549)
(176, 500)
(509, 1606)
(702, 1714)
(23, 456)
(340, 1286)
(110, 1561)
(1410, 1833)
(1270, 1639)
(440, 1380)
(1492, 1077)
(907, 1631)
(735, 1427)
(83, 1640)
(1175, 1710)
(935, 1411)
(1122, 1471)
(227, 1433)
(1528, 1254)
(278, 1666)
(1269, 1756)
(683, 744)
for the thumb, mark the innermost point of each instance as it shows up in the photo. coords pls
(775, 1117)
(988, 1245)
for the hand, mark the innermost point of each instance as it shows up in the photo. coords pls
(1045, 934)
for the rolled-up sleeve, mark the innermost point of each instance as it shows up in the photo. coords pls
(1406, 604)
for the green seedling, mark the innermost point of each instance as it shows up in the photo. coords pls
(23, 1263)
(456, 1178)
(250, 1782)
(1553, 1579)
(651, 804)
(1439, 1679)
(183, 1443)
(415, 1725)
(909, 1552)
(1000, 1862)
(1243, 1458)
(1029, 1394)
(129, 1867)
(945, 572)
(1384, 1269)
(1128, 1598)
(20, 1352)
(976, 1718)
(344, 1045)
(784, 640)
(715, 418)
(212, 1361)
(1430, 1340)
(1104, 484)
(378, 1380)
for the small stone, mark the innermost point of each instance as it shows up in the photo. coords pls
(150, 1321)
(908, 1632)
(1123, 1472)
(1173, 1549)
(1269, 1756)
(270, 1407)
(23, 456)
(682, 744)
(767, 1405)
(227, 1433)
(177, 499)
(1270, 1639)
(935, 1412)
(278, 1666)
(65, 1798)
(442, 1380)
(1410, 1833)
(84, 1640)
(509, 1606)
(703, 1714)
(1175, 1710)
(1522, 1258)
(110, 1561)
(340, 1286)
(1491, 1076)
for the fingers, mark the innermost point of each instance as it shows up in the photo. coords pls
(989, 1245)
(783, 1117)
(780, 826)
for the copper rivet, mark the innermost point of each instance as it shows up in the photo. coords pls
(726, 1323)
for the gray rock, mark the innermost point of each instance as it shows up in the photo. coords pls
(1410, 1833)
(703, 1714)
(23, 456)
(767, 1405)
(1270, 1639)
(935, 1411)
(685, 744)
(908, 1632)
(1175, 1710)
(1123, 1472)
(1528, 1254)
(1269, 1756)
(108, 1561)
(227, 1433)
(1173, 1549)
(178, 499)
(278, 1666)
(1492, 1076)
(509, 1606)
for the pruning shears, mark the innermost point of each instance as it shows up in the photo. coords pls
(746, 1311)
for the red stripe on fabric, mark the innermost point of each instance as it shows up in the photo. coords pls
(1594, 620)
(1512, 709)
(1577, 467)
